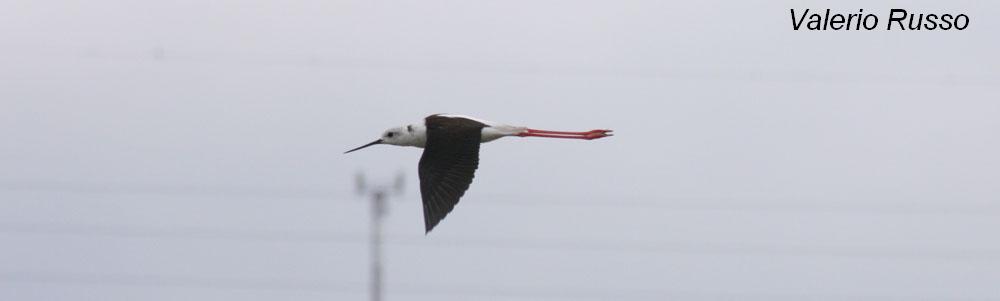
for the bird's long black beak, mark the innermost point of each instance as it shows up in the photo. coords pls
(366, 145)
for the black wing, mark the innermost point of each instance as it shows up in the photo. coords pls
(448, 164)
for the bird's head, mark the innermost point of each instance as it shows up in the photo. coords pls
(409, 135)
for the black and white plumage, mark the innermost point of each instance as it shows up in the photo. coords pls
(451, 155)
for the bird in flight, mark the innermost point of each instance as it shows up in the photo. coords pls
(451, 154)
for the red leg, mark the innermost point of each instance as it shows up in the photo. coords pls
(588, 135)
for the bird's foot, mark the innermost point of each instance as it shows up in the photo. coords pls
(597, 134)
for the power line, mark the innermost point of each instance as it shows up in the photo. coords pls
(169, 191)
(735, 205)
(172, 281)
(632, 202)
(178, 232)
(493, 290)
(546, 244)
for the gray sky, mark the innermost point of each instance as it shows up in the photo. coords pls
(191, 150)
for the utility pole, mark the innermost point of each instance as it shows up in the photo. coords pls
(379, 208)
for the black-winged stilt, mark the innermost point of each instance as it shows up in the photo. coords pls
(451, 154)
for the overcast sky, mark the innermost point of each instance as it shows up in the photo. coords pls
(192, 150)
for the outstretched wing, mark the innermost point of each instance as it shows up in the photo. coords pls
(449, 162)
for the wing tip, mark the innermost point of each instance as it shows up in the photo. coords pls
(430, 224)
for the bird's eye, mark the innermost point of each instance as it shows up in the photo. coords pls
(390, 134)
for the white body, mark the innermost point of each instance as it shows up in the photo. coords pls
(416, 134)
